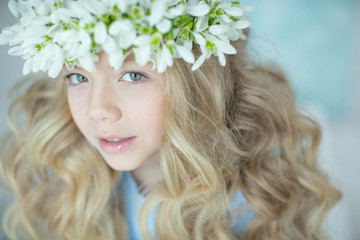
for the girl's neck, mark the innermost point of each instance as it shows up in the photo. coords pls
(149, 174)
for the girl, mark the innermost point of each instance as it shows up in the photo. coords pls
(153, 128)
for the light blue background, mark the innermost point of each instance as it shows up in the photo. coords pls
(314, 41)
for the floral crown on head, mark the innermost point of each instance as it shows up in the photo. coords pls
(51, 33)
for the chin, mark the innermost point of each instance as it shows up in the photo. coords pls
(122, 165)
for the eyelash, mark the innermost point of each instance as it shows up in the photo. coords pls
(71, 83)
(68, 78)
(143, 78)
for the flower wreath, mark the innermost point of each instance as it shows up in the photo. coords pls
(51, 33)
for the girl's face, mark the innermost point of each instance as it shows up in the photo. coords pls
(119, 112)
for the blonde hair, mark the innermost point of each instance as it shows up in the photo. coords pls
(225, 128)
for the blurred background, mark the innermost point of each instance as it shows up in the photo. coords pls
(317, 43)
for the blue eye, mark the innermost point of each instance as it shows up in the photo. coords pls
(76, 79)
(132, 77)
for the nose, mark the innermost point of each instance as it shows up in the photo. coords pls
(103, 104)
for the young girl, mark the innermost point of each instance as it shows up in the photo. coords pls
(155, 127)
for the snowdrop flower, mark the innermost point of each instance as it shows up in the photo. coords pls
(197, 8)
(124, 33)
(142, 50)
(164, 59)
(100, 33)
(14, 9)
(51, 34)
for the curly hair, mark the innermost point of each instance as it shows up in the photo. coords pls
(226, 128)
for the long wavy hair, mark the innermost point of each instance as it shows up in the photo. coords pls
(226, 128)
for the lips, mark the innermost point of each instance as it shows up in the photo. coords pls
(115, 144)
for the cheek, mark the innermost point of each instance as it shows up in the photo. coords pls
(77, 108)
(148, 113)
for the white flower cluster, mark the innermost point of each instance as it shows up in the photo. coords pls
(51, 33)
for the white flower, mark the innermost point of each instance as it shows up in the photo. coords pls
(205, 55)
(28, 66)
(51, 59)
(43, 9)
(164, 26)
(234, 11)
(197, 9)
(15, 51)
(142, 51)
(241, 24)
(13, 6)
(199, 38)
(123, 4)
(110, 46)
(175, 11)
(185, 53)
(116, 59)
(87, 62)
(94, 6)
(221, 57)
(100, 33)
(55, 68)
(6, 35)
(202, 23)
(164, 59)
(217, 29)
(124, 33)
(61, 15)
(51, 33)
(222, 44)
(157, 12)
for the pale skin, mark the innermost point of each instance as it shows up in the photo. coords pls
(128, 104)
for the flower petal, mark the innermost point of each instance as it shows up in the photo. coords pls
(4, 39)
(234, 11)
(100, 33)
(202, 24)
(226, 18)
(142, 54)
(217, 29)
(110, 45)
(198, 10)
(199, 39)
(13, 7)
(28, 66)
(198, 62)
(43, 9)
(55, 69)
(225, 47)
(165, 60)
(96, 7)
(116, 60)
(221, 57)
(175, 11)
(242, 24)
(117, 27)
(157, 12)
(142, 40)
(185, 53)
(87, 63)
(164, 26)
(15, 51)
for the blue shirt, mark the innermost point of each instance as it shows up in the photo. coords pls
(133, 201)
